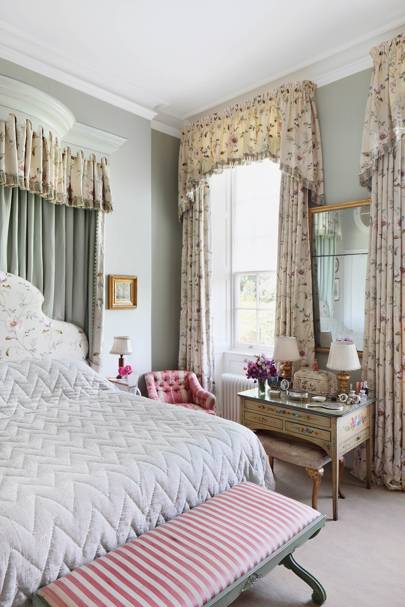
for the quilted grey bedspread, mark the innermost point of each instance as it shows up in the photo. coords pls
(84, 468)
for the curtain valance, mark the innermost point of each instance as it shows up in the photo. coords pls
(37, 163)
(281, 124)
(385, 112)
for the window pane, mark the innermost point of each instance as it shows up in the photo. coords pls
(255, 193)
(246, 326)
(247, 291)
(266, 321)
(266, 289)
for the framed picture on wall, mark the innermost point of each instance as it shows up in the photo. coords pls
(122, 292)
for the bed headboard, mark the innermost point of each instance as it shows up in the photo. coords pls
(25, 331)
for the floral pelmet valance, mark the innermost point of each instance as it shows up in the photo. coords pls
(281, 125)
(385, 113)
(37, 162)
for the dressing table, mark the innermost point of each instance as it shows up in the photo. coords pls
(336, 432)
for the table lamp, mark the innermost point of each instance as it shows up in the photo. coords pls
(121, 345)
(285, 352)
(343, 357)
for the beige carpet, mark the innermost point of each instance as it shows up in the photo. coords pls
(359, 559)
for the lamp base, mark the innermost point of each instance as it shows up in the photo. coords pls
(286, 370)
(343, 382)
(121, 363)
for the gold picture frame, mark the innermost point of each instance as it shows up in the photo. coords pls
(122, 292)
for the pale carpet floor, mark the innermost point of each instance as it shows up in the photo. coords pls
(359, 559)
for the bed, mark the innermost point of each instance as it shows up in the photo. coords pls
(84, 467)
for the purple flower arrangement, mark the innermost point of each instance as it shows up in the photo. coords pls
(261, 369)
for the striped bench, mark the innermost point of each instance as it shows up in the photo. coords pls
(206, 556)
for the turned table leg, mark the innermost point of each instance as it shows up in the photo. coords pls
(316, 477)
(341, 472)
(335, 486)
(369, 456)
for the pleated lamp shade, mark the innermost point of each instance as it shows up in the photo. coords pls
(122, 345)
(343, 356)
(286, 348)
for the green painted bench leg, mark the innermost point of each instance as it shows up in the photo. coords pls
(319, 594)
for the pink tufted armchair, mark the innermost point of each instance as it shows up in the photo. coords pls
(179, 388)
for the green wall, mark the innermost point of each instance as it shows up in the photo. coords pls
(166, 252)
(341, 108)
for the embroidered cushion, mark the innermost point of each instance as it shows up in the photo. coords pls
(315, 382)
(190, 559)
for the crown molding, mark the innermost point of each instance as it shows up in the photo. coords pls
(324, 69)
(43, 110)
(29, 102)
(81, 136)
(157, 125)
(354, 67)
(10, 41)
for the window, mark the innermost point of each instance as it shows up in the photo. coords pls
(254, 308)
(245, 203)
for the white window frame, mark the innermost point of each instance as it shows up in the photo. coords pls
(236, 344)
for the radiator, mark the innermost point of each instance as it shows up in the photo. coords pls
(231, 385)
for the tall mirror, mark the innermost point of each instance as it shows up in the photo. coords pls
(339, 245)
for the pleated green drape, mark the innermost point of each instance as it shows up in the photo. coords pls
(55, 248)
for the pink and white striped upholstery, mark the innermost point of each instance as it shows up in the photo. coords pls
(190, 559)
(179, 388)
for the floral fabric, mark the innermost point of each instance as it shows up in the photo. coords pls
(195, 347)
(385, 113)
(294, 305)
(37, 163)
(383, 170)
(281, 124)
(384, 348)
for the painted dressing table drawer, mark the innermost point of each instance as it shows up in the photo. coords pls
(309, 431)
(265, 421)
(354, 429)
(321, 421)
(353, 441)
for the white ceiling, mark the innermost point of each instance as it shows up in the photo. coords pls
(181, 57)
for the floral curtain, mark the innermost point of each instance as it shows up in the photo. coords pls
(294, 304)
(383, 170)
(281, 125)
(196, 348)
(37, 163)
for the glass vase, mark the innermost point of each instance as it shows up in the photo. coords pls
(261, 388)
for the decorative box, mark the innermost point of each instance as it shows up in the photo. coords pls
(315, 382)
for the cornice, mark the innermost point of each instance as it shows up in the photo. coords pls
(324, 69)
(29, 102)
(43, 110)
(19, 48)
(81, 136)
(157, 125)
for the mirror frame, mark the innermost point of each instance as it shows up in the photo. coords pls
(338, 206)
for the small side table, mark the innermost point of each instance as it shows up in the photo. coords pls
(123, 385)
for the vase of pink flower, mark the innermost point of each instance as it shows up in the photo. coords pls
(261, 369)
(124, 372)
